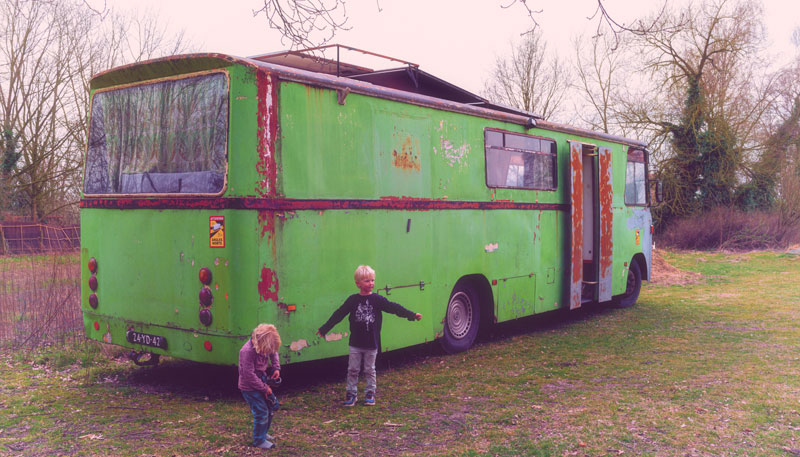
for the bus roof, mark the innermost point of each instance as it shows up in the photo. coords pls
(407, 84)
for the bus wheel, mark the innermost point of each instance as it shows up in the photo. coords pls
(632, 288)
(462, 320)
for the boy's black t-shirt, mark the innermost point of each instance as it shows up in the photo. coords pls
(365, 318)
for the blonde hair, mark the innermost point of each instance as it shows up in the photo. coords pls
(266, 339)
(363, 272)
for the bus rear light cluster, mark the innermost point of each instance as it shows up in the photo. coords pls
(206, 298)
(93, 282)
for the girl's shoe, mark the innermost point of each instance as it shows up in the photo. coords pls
(266, 445)
(349, 400)
(369, 399)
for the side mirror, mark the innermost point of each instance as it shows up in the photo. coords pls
(656, 191)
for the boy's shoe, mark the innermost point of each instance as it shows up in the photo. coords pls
(349, 400)
(266, 445)
(369, 399)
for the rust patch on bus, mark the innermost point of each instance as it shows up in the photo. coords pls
(606, 231)
(267, 130)
(407, 159)
(266, 219)
(268, 286)
(576, 203)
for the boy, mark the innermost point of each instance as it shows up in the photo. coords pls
(365, 310)
(259, 351)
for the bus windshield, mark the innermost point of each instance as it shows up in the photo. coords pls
(167, 137)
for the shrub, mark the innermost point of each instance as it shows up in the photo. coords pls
(732, 229)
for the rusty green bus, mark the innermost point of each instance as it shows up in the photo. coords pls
(220, 192)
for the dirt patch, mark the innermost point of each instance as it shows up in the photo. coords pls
(668, 275)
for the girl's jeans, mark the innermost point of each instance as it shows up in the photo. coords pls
(262, 414)
(357, 355)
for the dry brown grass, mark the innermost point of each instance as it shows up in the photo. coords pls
(731, 229)
(668, 275)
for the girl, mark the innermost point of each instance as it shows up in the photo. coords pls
(254, 357)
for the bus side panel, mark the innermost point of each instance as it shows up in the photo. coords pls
(317, 255)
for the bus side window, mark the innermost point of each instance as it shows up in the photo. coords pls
(520, 161)
(635, 188)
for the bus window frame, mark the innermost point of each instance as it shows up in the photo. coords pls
(171, 194)
(644, 160)
(503, 132)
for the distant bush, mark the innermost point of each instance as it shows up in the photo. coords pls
(731, 229)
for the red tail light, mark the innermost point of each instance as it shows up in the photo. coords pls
(205, 276)
(93, 282)
(205, 317)
(93, 300)
(207, 345)
(96, 325)
(93, 265)
(206, 297)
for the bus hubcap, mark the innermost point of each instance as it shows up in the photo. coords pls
(459, 315)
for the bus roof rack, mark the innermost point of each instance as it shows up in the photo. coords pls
(408, 77)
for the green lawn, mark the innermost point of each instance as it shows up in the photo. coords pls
(705, 369)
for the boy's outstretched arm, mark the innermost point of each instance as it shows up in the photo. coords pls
(337, 316)
(398, 309)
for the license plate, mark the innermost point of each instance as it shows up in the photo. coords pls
(147, 339)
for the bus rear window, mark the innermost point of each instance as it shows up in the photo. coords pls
(168, 137)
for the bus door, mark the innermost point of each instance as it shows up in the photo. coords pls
(590, 214)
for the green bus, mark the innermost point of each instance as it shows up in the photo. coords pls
(220, 192)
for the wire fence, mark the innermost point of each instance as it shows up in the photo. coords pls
(40, 300)
(29, 238)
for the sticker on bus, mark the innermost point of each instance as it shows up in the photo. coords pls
(216, 232)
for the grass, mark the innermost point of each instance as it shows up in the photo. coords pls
(704, 369)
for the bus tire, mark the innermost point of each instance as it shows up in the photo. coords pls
(632, 287)
(462, 320)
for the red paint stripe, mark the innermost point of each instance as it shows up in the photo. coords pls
(287, 204)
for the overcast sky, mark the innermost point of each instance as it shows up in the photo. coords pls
(456, 40)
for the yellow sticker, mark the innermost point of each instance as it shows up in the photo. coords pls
(216, 232)
(638, 240)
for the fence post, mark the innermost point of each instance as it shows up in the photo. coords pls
(2, 241)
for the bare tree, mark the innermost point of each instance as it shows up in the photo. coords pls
(48, 51)
(35, 72)
(600, 73)
(710, 91)
(305, 23)
(531, 79)
(312, 23)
